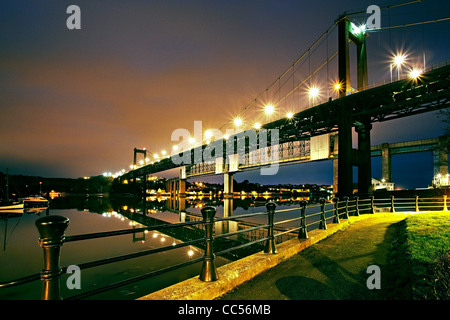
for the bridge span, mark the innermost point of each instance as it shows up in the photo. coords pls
(301, 152)
(324, 131)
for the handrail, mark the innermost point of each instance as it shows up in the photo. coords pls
(124, 257)
(97, 235)
(52, 228)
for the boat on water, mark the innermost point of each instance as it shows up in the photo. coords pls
(10, 209)
(10, 205)
(34, 201)
(24, 204)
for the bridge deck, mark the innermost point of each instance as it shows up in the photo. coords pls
(386, 102)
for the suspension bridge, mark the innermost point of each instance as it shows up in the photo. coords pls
(321, 130)
(306, 129)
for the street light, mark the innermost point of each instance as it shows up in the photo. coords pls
(289, 115)
(398, 61)
(414, 74)
(257, 126)
(269, 109)
(337, 86)
(208, 134)
(237, 122)
(313, 93)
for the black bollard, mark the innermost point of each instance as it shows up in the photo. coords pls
(336, 209)
(270, 244)
(303, 233)
(346, 207)
(209, 271)
(51, 238)
(356, 206)
(372, 205)
(323, 222)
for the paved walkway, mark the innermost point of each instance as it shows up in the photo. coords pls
(334, 268)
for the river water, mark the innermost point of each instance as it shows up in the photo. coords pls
(20, 254)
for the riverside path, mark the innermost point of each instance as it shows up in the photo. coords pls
(336, 267)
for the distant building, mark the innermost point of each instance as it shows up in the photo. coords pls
(382, 184)
(441, 180)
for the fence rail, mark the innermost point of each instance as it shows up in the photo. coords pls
(52, 237)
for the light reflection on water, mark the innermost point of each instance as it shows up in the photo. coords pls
(20, 254)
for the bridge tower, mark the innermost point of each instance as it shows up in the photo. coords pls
(136, 151)
(347, 157)
(144, 184)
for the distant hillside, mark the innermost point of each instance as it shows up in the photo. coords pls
(22, 186)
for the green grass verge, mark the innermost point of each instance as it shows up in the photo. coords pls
(428, 252)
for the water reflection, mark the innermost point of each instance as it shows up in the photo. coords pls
(153, 211)
(21, 256)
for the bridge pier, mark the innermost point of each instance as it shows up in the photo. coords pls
(171, 187)
(228, 207)
(344, 163)
(181, 185)
(364, 159)
(144, 185)
(440, 157)
(349, 157)
(386, 162)
(228, 185)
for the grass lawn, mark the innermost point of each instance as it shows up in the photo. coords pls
(428, 253)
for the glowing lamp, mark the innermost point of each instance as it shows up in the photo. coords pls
(313, 92)
(269, 109)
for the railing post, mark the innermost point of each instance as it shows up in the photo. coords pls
(417, 203)
(209, 271)
(392, 204)
(323, 222)
(372, 207)
(346, 208)
(270, 244)
(336, 214)
(356, 206)
(51, 238)
(445, 203)
(303, 233)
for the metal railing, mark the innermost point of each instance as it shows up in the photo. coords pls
(52, 237)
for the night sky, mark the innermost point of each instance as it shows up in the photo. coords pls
(75, 103)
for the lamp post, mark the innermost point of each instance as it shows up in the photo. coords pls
(313, 93)
(268, 110)
(398, 62)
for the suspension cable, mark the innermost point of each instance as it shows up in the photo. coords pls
(413, 24)
(283, 74)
